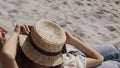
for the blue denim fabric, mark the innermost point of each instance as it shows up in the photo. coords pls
(109, 51)
(109, 64)
(111, 54)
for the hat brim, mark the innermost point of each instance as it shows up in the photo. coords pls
(36, 56)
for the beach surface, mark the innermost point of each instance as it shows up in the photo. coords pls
(95, 21)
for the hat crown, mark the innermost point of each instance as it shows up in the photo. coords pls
(48, 36)
(45, 37)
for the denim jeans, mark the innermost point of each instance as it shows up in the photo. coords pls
(111, 54)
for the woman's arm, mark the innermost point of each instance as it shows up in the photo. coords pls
(94, 58)
(3, 32)
(8, 52)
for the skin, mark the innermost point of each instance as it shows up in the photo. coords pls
(3, 32)
(9, 49)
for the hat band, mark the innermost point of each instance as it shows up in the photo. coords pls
(41, 50)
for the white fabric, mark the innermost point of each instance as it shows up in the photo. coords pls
(74, 61)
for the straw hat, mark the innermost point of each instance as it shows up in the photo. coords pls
(44, 43)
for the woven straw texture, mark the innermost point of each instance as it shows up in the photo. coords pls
(49, 37)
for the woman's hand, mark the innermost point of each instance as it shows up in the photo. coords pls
(22, 28)
(69, 37)
(10, 47)
(2, 36)
(9, 50)
(93, 57)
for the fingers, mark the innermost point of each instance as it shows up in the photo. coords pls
(68, 34)
(2, 39)
(25, 29)
(3, 30)
(2, 36)
(30, 27)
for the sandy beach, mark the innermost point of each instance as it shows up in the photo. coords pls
(95, 21)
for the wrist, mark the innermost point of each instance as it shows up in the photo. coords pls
(16, 33)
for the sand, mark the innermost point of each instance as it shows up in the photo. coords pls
(95, 21)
